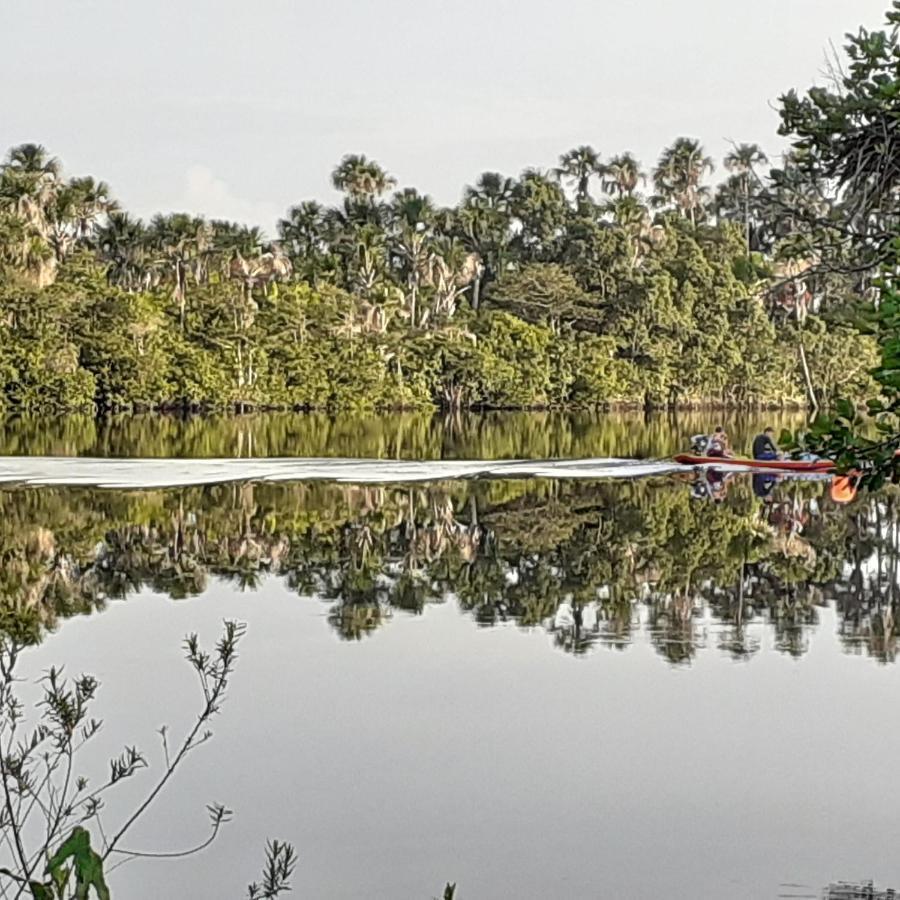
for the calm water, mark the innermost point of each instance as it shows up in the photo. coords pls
(535, 688)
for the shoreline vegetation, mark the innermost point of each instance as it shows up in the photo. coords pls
(596, 285)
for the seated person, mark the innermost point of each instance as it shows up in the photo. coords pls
(764, 446)
(718, 446)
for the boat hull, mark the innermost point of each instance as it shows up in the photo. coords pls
(775, 465)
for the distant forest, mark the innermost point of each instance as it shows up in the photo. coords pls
(595, 284)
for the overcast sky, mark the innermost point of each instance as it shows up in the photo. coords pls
(238, 109)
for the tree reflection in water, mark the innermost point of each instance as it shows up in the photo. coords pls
(592, 564)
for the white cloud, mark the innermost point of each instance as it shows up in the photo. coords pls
(207, 195)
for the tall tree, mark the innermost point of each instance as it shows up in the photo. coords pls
(842, 190)
(578, 167)
(30, 181)
(412, 229)
(743, 161)
(491, 191)
(304, 236)
(541, 210)
(122, 244)
(361, 179)
(622, 175)
(678, 177)
(484, 219)
(633, 217)
(180, 244)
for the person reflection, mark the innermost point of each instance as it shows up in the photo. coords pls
(710, 484)
(764, 484)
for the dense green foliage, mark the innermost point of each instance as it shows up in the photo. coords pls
(846, 209)
(519, 297)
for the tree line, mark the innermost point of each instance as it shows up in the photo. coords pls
(593, 284)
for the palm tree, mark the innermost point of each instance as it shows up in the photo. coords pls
(368, 259)
(123, 245)
(728, 201)
(744, 158)
(303, 233)
(234, 248)
(231, 237)
(362, 179)
(577, 167)
(90, 201)
(540, 206)
(22, 248)
(622, 174)
(29, 184)
(630, 214)
(409, 207)
(484, 218)
(492, 191)
(679, 174)
(74, 212)
(413, 216)
(448, 275)
(303, 227)
(181, 243)
(54, 215)
(742, 162)
(33, 160)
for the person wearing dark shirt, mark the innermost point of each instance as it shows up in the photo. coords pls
(764, 445)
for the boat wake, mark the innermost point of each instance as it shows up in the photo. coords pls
(137, 474)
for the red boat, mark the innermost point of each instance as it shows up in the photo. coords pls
(777, 465)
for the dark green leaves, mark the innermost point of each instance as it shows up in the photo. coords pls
(86, 865)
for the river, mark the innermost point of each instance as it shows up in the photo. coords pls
(534, 687)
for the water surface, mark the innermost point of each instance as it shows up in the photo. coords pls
(534, 688)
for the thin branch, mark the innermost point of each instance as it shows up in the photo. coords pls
(218, 821)
(226, 652)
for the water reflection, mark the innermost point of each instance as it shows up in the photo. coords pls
(498, 435)
(592, 564)
(857, 891)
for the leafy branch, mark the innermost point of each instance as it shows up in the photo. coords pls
(45, 846)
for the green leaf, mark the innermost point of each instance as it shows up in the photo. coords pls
(787, 439)
(89, 874)
(78, 842)
(845, 410)
(40, 891)
(60, 877)
(88, 865)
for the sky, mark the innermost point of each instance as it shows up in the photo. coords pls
(239, 110)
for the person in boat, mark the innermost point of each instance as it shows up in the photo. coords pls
(764, 446)
(719, 446)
